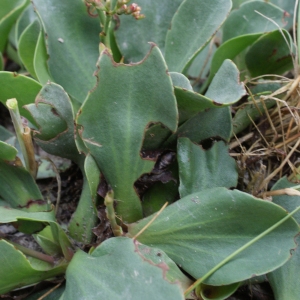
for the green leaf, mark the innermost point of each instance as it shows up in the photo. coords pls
(133, 36)
(208, 292)
(53, 112)
(27, 45)
(286, 201)
(52, 241)
(246, 20)
(84, 218)
(27, 17)
(5, 134)
(9, 12)
(23, 88)
(212, 123)
(9, 215)
(241, 29)
(54, 295)
(121, 268)
(19, 189)
(113, 118)
(179, 80)
(285, 280)
(47, 241)
(60, 237)
(229, 50)
(93, 174)
(288, 6)
(72, 38)
(203, 229)
(155, 136)
(160, 193)
(276, 57)
(199, 68)
(40, 60)
(1, 62)
(157, 195)
(192, 27)
(224, 90)
(8, 152)
(201, 169)
(251, 112)
(17, 271)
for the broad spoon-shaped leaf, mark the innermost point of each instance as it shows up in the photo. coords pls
(72, 37)
(121, 268)
(192, 27)
(201, 169)
(115, 115)
(204, 229)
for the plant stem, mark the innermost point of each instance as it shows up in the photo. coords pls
(105, 34)
(102, 17)
(23, 136)
(232, 255)
(110, 213)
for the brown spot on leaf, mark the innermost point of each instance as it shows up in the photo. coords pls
(273, 52)
(54, 111)
(217, 103)
(33, 202)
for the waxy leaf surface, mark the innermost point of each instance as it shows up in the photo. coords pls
(18, 271)
(27, 45)
(201, 230)
(224, 90)
(285, 280)
(9, 12)
(286, 201)
(133, 36)
(9, 215)
(246, 20)
(136, 272)
(211, 123)
(115, 115)
(27, 17)
(8, 152)
(40, 60)
(192, 27)
(72, 44)
(201, 169)
(18, 188)
(30, 222)
(276, 57)
(53, 112)
(23, 88)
